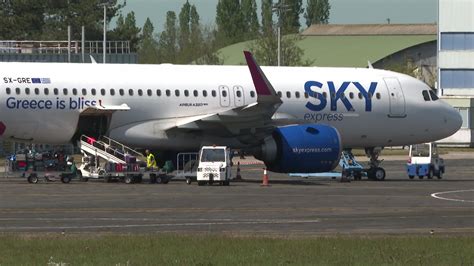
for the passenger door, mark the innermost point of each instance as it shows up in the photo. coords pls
(396, 97)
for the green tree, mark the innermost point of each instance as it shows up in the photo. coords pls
(290, 15)
(78, 13)
(317, 12)
(21, 20)
(148, 52)
(250, 18)
(229, 21)
(184, 33)
(127, 30)
(168, 43)
(267, 16)
(265, 50)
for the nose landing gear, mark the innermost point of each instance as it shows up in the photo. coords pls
(375, 172)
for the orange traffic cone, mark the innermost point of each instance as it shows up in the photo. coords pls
(238, 176)
(265, 178)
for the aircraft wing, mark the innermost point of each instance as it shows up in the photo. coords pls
(250, 123)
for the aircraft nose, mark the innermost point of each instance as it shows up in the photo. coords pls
(453, 120)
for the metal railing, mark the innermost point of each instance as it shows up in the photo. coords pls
(61, 47)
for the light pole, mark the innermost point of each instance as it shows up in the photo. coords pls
(104, 44)
(280, 8)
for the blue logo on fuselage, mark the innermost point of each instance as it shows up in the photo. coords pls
(337, 94)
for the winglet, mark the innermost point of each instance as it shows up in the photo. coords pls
(260, 81)
(93, 60)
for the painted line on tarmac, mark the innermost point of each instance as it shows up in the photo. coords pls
(436, 195)
(188, 224)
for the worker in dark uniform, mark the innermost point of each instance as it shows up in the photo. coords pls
(150, 160)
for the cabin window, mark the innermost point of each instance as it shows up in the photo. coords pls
(112, 92)
(351, 95)
(149, 92)
(238, 93)
(55, 91)
(9, 91)
(176, 93)
(84, 92)
(325, 95)
(195, 93)
(121, 92)
(140, 93)
(102, 92)
(27, 91)
(279, 94)
(224, 93)
(65, 91)
(252, 94)
(158, 93)
(204, 93)
(93, 92)
(168, 93)
(46, 91)
(37, 91)
(130, 92)
(74, 91)
(297, 94)
(306, 95)
(214, 94)
(426, 96)
(378, 96)
(186, 93)
(360, 96)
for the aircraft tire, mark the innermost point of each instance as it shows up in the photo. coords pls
(379, 174)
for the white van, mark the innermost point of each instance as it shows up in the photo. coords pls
(214, 165)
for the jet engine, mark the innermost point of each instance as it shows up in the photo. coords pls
(309, 148)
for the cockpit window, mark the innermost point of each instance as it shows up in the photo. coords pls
(426, 96)
(434, 97)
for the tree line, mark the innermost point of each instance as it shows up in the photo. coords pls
(184, 38)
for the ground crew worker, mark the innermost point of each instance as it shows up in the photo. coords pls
(150, 160)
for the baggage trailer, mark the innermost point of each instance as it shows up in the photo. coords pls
(187, 164)
(36, 174)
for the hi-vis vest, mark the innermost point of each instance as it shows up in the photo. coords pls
(150, 160)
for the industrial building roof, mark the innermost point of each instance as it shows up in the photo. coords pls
(351, 49)
(370, 29)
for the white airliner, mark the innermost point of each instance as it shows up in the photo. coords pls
(296, 119)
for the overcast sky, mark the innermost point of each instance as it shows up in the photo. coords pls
(342, 11)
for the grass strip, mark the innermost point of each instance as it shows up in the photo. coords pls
(227, 250)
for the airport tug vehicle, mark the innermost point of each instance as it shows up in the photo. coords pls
(214, 166)
(425, 161)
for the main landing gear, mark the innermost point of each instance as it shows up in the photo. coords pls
(375, 172)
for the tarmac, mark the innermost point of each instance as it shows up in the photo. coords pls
(290, 206)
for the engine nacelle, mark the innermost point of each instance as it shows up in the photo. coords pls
(307, 148)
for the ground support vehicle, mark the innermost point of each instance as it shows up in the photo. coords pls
(215, 165)
(351, 169)
(110, 160)
(424, 161)
(35, 173)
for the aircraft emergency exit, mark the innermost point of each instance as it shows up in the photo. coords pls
(295, 119)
